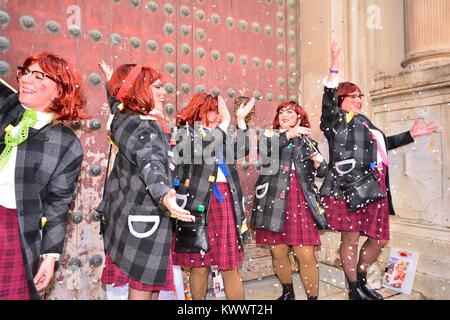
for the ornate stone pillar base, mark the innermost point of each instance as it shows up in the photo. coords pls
(427, 33)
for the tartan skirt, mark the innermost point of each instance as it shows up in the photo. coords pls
(224, 249)
(371, 221)
(13, 278)
(113, 275)
(299, 225)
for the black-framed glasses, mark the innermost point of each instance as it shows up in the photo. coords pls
(38, 76)
(354, 96)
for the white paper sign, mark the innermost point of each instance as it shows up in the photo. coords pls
(401, 270)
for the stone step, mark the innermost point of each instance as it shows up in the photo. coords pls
(332, 287)
(268, 288)
(387, 294)
(390, 294)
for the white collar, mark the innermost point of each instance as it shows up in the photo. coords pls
(42, 116)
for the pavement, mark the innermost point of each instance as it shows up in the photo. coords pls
(268, 288)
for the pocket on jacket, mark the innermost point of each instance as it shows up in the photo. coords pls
(261, 190)
(344, 166)
(143, 226)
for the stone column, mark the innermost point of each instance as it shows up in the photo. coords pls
(427, 33)
(420, 173)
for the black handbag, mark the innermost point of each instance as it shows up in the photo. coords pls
(304, 153)
(362, 192)
(192, 236)
(319, 214)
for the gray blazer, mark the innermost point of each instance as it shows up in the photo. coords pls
(137, 229)
(269, 207)
(47, 167)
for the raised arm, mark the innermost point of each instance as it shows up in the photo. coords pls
(242, 140)
(107, 72)
(331, 114)
(224, 113)
(242, 112)
(106, 69)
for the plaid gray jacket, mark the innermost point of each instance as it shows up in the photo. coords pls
(137, 228)
(47, 167)
(269, 207)
(196, 177)
(351, 140)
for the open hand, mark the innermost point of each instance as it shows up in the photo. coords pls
(243, 111)
(335, 55)
(170, 202)
(420, 129)
(106, 69)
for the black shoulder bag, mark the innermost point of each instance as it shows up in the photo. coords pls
(191, 236)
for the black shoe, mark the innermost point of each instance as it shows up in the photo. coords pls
(355, 292)
(312, 298)
(288, 292)
(368, 291)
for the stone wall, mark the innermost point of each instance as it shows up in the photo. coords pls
(397, 52)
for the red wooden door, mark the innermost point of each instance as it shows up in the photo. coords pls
(229, 47)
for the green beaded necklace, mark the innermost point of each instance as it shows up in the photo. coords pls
(28, 120)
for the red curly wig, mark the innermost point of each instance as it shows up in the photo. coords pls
(70, 102)
(301, 114)
(139, 98)
(201, 103)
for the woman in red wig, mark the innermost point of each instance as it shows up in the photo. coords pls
(40, 162)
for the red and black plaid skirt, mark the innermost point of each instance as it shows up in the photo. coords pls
(371, 221)
(299, 225)
(113, 275)
(13, 278)
(224, 249)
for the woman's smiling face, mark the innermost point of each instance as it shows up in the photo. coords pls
(287, 118)
(36, 92)
(352, 102)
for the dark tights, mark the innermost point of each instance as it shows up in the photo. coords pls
(369, 252)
